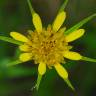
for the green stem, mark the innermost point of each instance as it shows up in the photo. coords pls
(63, 6)
(88, 59)
(38, 81)
(30, 7)
(10, 40)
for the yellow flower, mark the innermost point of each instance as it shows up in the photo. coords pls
(48, 47)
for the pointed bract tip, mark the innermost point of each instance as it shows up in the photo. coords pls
(69, 84)
(63, 6)
(30, 7)
(88, 59)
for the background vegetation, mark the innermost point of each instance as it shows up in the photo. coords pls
(18, 80)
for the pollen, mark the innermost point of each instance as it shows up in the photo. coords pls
(47, 46)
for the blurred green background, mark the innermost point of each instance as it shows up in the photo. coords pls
(18, 80)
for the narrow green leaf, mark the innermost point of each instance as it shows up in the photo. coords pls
(69, 84)
(10, 40)
(78, 25)
(13, 63)
(38, 81)
(88, 59)
(63, 6)
(30, 7)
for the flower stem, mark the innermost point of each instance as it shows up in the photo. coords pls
(38, 81)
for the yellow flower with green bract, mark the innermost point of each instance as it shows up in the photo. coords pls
(49, 47)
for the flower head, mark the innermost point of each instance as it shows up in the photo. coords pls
(49, 47)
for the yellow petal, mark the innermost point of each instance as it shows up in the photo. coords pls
(24, 48)
(74, 35)
(37, 22)
(25, 57)
(72, 55)
(61, 71)
(59, 21)
(18, 36)
(42, 68)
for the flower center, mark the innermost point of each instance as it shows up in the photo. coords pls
(48, 46)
